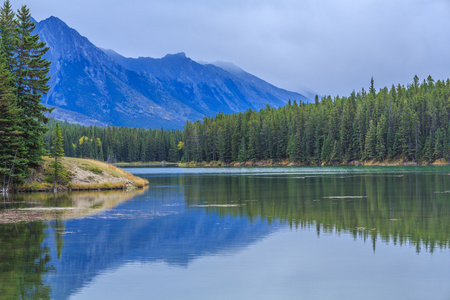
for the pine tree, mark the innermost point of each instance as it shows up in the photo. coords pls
(369, 149)
(172, 156)
(439, 144)
(416, 81)
(242, 156)
(57, 152)
(381, 134)
(359, 132)
(58, 144)
(428, 151)
(318, 143)
(8, 35)
(372, 87)
(316, 100)
(346, 129)
(31, 79)
(12, 146)
(253, 145)
(326, 151)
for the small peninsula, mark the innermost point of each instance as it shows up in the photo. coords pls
(82, 174)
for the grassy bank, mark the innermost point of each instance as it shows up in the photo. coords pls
(82, 174)
(288, 163)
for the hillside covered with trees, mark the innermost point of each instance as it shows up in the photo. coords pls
(403, 124)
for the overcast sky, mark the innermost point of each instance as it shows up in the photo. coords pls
(326, 46)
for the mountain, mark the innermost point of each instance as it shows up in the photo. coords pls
(92, 86)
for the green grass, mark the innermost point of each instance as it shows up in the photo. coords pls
(93, 169)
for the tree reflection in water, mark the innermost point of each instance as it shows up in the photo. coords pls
(406, 209)
(24, 261)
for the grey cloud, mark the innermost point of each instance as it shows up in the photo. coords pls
(328, 46)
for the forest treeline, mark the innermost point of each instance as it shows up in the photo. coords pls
(409, 123)
(117, 144)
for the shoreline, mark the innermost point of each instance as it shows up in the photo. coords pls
(140, 164)
(93, 175)
(86, 175)
(287, 163)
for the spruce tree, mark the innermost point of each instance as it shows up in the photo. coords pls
(8, 36)
(242, 156)
(57, 152)
(369, 149)
(31, 79)
(381, 134)
(346, 127)
(316, 100)
(58, 143)
(372, 87)
(12, 146)
(428, 151)
(439, 144)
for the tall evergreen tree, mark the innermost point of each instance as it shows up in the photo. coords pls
(8, 36)
(31, 80)
(242, 156)
(316, 100)
(12, 146)
(439, 144)
(369, 149)
(372, 87)
(57, 152)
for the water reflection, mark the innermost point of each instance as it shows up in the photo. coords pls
(402, 208)
(47, 206)
(182, 218)
(24, 260)
(25, 256)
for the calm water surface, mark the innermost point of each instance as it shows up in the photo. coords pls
(237, 233)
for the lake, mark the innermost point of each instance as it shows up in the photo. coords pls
(236, 233)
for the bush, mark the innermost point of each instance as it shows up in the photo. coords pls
(36, 186)
(64, 176)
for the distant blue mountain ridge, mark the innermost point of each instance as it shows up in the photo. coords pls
(93, 86)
